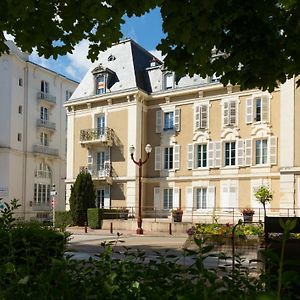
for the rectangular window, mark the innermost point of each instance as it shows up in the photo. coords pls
(261, 152)
(258, 104)
(20, 109)
(44, 139)
(100, 160)
(41, 193)
(100, 198)
(168, 81)
(229, 113)
(201, 198)
(68, 95)
(20, 81)
(230, 154)
(19, 137)
(100, 84)
(44, 87)
(169, 120)
(100, 125)
(35, 193)
(44, 113)
(168, 199)
(168, 158)
(201, 156)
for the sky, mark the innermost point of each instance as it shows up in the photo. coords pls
(145, 30)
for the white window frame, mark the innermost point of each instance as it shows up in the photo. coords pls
(230, 153)
(45, 87)
(44, 139)
(169, 192)
(168, 76)
(200, 201)
(44, 113)
(196, 156)
(201, 116)
(230, 102)
(251, 113)
(260, 156)
(100, 91)
(41, 193)
(169, 163)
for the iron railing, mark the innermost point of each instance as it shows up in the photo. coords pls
(96, 135)
(45, 124)
(45, 150)
(42, 174)
(97, 171)
(47, 97)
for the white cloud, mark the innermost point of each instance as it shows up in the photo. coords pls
(157, 54)
(40, 60)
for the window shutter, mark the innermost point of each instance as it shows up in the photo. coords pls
(204, 116)
(248, 152)
(157, 203)
(232, 113)
(176, 194)
(211, 197)
(249, 110)
(226, 113)
(232, 196)
(225, 197)
(190, 156)
(177, 119)
(189, 199)
(177, 157)
(211, 155)
(158, 121)
(107, 197)
(197, 117)
(157, 155)
(240, 152)
(218, 154)
(90, 161)
(273, 150)
(265, 107)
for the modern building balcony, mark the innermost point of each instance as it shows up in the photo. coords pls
(38, 206)
(42, 96)
(100, 136)
(45, 150)
(98, 173)
(45, 124)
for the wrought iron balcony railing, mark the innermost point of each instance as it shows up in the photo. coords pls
(45, 150)
(45, 124)
(42, 174)
(96, 171)
(96, 135)
(47, 97)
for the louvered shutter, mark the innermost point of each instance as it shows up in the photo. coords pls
(211, 154)
(177, 119)
(107, 165)
(204, 116)
(107, 197)
(248, 152)
(225, 197)
(249, 110)
(197, 116)
(273, 150)
(189, 199)
(240, 152)
(226, 113)
(157, 154)
(90, 161)
(211, 197)
(177, 157)
(218, 154)
(176, 196)
(232, 113)
(157, 202)
(190, 156)
(265, 107)
(158, 121)
(232, 196)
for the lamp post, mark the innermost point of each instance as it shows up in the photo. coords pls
(53, 193)
(139, 163)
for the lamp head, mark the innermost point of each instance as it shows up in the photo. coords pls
(131, 150)
(148, 148)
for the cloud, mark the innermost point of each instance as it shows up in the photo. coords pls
(40, 60)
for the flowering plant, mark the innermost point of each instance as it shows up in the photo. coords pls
(248, 211)
(177, 211)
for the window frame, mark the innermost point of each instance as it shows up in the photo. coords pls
(260, 158)
(199, 201)
(97, 81)
(201, 159)
(44, 139)
(167, 75)
(45, 87)
(168, 158)
(169, 120)
(231, 159)
(168, 198)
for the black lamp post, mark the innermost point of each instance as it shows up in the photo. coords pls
(139, 163)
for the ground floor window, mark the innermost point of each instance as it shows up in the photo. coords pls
(168, 199)
(100, 196)
(201, 198)
(41, 193)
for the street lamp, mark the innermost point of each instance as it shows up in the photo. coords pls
(139, 163)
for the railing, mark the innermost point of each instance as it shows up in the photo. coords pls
(45, 150)
(42, 174)
(47, 97)
(96, 135)
(45, 124)
(96, 171)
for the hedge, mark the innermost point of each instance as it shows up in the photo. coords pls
(95, 217)
(63, 218)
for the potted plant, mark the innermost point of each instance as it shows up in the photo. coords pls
(177, 214)
(248, 214)
(263, 195)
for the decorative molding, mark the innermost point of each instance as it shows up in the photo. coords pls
(230, 133)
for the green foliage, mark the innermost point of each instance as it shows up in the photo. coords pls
(94, 216)
(7, 218)
(263, 195)
(63, 219)
(82, 198)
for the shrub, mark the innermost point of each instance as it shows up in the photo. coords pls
(94, 216)
(63, 219)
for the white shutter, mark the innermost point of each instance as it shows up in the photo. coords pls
(177, 119)
(107, 197)
(190, 156)
(157, 155)
(225, 197)
(189, 199)
(177, 157)
(249, 110)
(157, 203)
(90, 161)
(158, 121)
(204, 116)
(248, 152)
(265, 107)
(226, 113)
(240, 152)
(232, 113)
(211, 197)
(211, 154)
(273, 150)
(197, 116)
(218, 154)
(176, 194)
(232, 196)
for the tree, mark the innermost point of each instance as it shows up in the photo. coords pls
(263, 196)
(82, 197)
(253, 43)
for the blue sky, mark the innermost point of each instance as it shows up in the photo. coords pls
(145, 30)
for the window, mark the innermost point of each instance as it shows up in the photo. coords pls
(201, 156)
(100, 160)
(100, 84)
(100, 196)
(68, 95)
(44, 87)
(41, 193)
(20, 81)
(258, 109)
(19, 137)
(261, 151)
(43, 171)
(44, 113)
(201, 198)
(20, 109)
(44, 139)
(169, 120)
(100, 125)
(201, 116)
(229, 113)
(229, 153)
(168, 80)
(168, 161)
(168, 199)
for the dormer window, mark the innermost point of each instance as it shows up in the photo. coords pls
(168, 80)
(100, 84)
(103, 79)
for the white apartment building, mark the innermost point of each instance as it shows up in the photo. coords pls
(32, 133)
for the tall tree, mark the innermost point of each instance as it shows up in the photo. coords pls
(253, 43)
(82, 197)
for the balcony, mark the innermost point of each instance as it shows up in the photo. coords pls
(45, 124)
(40, 149)
(42, 96)
(98, 173)
(42, 174)
(100, 136)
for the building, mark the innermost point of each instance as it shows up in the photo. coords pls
(212, 145)
(32, 133)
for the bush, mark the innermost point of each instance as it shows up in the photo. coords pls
(94, 216)
(63, 219)
(115, 213)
